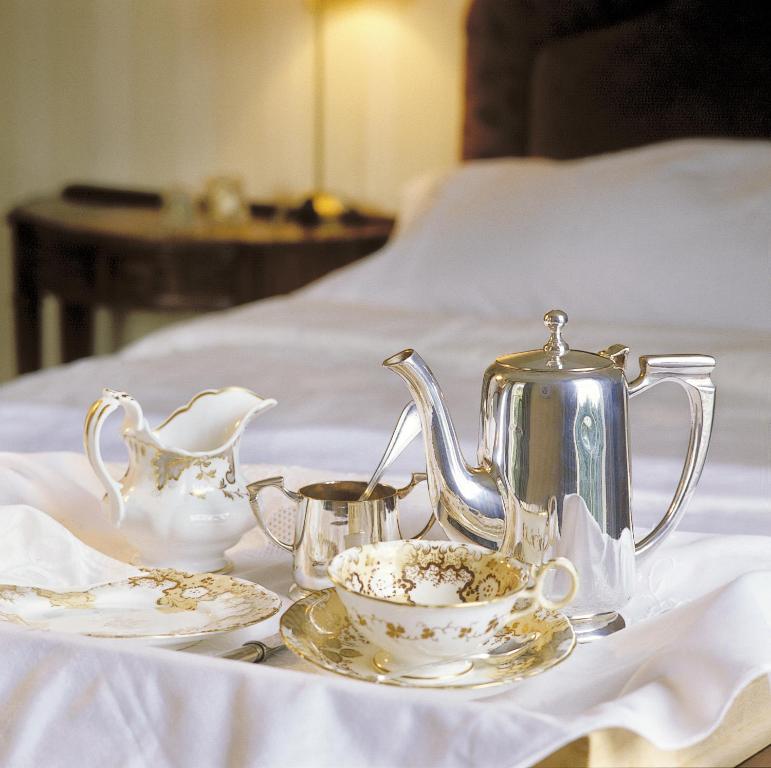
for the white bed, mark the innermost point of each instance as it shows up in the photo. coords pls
(664, 248)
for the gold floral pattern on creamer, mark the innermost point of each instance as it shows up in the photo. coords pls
(169, 467)
(218, 472)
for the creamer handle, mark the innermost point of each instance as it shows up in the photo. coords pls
(692, 372)
(97, 414)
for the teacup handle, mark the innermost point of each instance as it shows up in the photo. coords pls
(254, 491)
(557, 563)
(417, 477)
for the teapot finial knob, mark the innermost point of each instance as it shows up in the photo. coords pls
(556, 346)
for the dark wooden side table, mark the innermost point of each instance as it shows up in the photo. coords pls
(126, 254)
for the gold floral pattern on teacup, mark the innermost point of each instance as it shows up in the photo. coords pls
(437, 633)
(430, 601)
(472, 575)
(345, 651)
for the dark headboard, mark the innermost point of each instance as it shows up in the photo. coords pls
(570, 78)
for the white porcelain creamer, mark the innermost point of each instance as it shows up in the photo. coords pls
(182, 500)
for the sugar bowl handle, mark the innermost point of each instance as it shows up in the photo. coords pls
(692, 372)
(254, 492)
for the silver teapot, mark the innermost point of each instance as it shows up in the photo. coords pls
(553, 476)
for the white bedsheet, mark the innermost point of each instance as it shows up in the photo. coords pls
(664, 248)
(337, 405)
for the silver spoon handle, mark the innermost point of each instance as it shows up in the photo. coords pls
(406, 430)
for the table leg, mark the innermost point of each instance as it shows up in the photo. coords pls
(76, 323)
(26, 300)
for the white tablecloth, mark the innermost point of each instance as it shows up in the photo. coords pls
(699, 631)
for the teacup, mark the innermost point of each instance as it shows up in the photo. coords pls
(439, 601)
(331, 518)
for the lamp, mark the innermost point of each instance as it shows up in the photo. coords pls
(320, 204)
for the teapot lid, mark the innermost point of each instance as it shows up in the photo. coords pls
(556, 354)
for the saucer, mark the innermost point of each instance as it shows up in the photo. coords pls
(317, 629)
(160, 606)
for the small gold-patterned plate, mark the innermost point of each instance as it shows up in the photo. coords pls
(160, 606)
(317, 629)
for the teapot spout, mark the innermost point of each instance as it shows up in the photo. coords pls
(466, 500)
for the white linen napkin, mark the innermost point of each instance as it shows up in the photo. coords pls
(699, 630)
(64, 487)
(37, 551)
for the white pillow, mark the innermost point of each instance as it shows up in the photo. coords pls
(670, 234)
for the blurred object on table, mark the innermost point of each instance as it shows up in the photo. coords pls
(95, 246)
(224, 201)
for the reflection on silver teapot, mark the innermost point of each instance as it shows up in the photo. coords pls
(553, 474)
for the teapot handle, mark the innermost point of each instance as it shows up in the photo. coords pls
(97, 414)
(692, 372)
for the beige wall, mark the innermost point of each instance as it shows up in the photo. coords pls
(160, 92)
